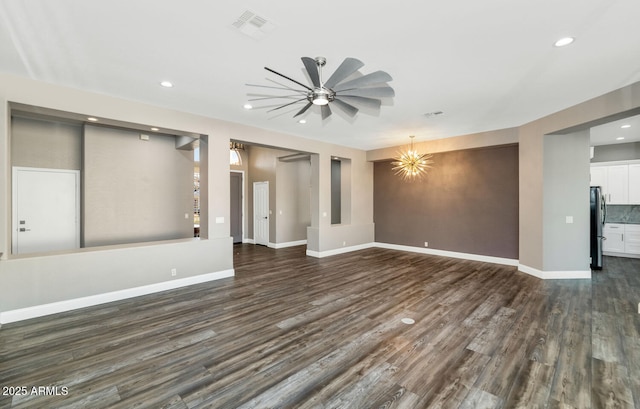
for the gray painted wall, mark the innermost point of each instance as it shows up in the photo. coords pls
(616, 152)
(46, 144)
(468, 203)
(135, 190)
(566, 193)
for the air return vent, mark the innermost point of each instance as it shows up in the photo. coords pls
(253, 25)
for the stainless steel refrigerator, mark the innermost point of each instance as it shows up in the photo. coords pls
(598, 216)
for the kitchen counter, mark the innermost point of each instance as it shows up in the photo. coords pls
(624, 214)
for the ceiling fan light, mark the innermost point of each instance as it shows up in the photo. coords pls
(320, 99)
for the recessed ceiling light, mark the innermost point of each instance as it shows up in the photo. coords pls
(92, 119)
(247, 106)
(619, 138)
(166, 84)
(564, 41)
(302, 121)
(408, 321)
(625, 126)
(155, 129)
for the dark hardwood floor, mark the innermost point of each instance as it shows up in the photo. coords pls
(290, 331)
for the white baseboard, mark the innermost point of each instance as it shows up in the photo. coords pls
(555, 275)
(249, 241)
(452, 254)
(288, 244)
(342, 250)
(76, 303)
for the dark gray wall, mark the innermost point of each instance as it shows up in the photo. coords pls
(615, 152)
(467, 203)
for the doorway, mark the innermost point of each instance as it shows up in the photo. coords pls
(261, 213)
(46, 210)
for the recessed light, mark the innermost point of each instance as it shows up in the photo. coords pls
(619, 138)
(166, 84)
(92, 119)
(247, 106)
(155, 129)
(625, 126)
(564, 41)
(302, 121)
(408, 321)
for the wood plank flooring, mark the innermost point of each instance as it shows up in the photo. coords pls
(290, 331)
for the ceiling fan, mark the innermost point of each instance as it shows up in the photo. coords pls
(349, 95)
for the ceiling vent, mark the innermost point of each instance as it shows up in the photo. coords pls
(253, 25)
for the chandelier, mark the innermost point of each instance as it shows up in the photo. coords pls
(411, 164)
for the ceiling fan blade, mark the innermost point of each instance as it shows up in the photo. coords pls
(303, 110)
(362, 101)
(347, 108)
(374, 92)
(325, 111)
(286, 105)
(282, 88)
(377, 77)
(348, 67)
(312, 69)
(290, 79)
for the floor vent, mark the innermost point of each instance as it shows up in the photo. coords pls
(253, 25)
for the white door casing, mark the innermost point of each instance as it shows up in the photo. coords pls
(261, 213)
(46, 210)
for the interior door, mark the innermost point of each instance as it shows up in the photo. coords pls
(236, 207)
(46, 209)
(261, 213)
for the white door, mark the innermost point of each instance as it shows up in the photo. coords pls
(46, 204)
(261, 213)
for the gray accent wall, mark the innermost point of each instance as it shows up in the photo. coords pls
(467, 203)
(135, 190)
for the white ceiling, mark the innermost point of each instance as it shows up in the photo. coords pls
(486, 64)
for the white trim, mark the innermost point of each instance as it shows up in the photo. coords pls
(249, 241)
(287, 244)
(452, 254)
(342, 250)
(555, 275)
(82, 302)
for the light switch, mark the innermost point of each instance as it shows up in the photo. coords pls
(569, 219)
(219, 220)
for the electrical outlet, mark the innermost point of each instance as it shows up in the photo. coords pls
(344, 243)
(426, 244)
(174, 272)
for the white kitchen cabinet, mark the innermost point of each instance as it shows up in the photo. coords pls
(631, 238)
(634, 183)
(613, 238)
(618, 184)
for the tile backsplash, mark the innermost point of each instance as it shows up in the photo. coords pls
(623, 214)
